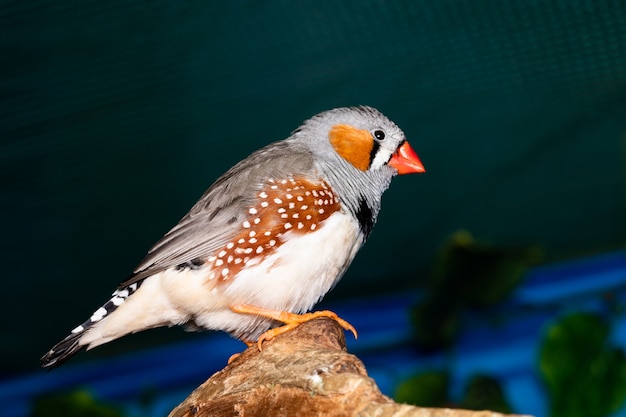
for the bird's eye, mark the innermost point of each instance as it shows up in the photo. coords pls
(379, 134)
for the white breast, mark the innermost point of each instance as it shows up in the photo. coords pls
(302, 270)
(292, 279)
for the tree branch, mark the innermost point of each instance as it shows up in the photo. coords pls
(305, 372)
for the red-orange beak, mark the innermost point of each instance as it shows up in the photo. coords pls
(406, 161)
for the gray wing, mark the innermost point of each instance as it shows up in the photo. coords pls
(217, 216)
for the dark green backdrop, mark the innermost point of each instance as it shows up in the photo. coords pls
(115, 116)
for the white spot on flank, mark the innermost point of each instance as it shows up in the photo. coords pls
(252, 240)
(263, 194)
(282, 210)
(308, 217)
(295, 215)
(284, 215)
(219, 262)
(252, 233)
(278, 201)
(257, 220)
(224, 272)
(264, 204)
(117, 301)
(289, 196)
(212, 275)
(304, 207)
(247, 251)
(274, 187)
(283, 181)
(259, 249)
(246, 224)
(307, 193)
(230, 245)
(252, 210)
(272, 242)
(221, 254)
(300, 198)
(300, 225)
(237, 261)
(313, 226)
(292, 206)
(98, 315)
(320, 211)
(315, 193)
(268, 233)
(212, 258)
(78, 329)
(230, 258)
(242, 240)
(288, 226)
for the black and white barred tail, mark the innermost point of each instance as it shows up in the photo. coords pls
(69, 346)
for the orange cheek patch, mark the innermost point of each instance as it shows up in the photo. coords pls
(354, 145)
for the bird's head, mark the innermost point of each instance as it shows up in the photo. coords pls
(361, 136)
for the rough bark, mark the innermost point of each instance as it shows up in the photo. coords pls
(305, 372)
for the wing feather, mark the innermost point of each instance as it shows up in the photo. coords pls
(217, 216)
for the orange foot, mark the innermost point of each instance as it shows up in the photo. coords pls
(291, 320)
(236, 355)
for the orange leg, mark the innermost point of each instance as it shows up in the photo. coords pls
(291, 320)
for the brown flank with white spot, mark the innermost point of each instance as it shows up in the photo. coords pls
(295, 205)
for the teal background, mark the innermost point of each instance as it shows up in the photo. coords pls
(115, 117)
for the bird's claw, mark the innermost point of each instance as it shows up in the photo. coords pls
(291, 320)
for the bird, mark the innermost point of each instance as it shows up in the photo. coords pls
(266, 241)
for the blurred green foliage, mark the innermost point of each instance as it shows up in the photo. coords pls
(427, 389)
(74, 404)
(467, 274)
(585, 375)
(431, 389)
(484, 392)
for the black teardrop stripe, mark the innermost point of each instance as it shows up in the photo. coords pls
(365, 216)
(373, 152)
